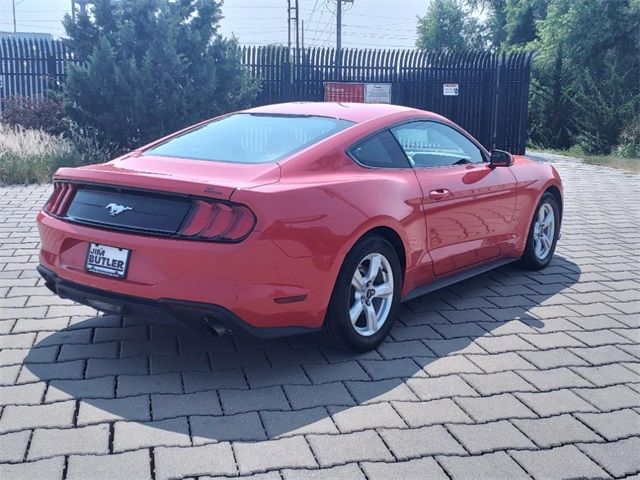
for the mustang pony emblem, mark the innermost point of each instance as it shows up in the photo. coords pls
(115, 209)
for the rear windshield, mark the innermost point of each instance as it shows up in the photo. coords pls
(250, 138)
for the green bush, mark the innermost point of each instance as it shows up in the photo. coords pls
(602, 109)
(32, 156)
(34, 113)
(629, 146)
(89, 147)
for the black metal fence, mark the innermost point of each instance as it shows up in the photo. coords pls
(31, 68)
(492, 90)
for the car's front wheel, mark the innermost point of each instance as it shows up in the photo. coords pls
(543, 233)
(365, 296)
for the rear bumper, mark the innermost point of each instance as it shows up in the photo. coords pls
(194, 315)
(254, 279)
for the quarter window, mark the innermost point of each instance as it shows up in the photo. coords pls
(380, 150)
(432, 144)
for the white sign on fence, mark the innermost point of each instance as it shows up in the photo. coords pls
(377, 93)
(450, 89)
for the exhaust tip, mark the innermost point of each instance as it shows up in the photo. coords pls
(215, 327)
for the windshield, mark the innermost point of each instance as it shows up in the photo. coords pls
(250, 138)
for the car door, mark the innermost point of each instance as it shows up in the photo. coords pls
(468, 205)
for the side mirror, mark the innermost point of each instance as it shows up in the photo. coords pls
(500, 158)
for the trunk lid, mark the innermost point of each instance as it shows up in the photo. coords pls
(175, 175)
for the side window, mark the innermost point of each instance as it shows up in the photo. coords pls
(432, 144)
(380, 150)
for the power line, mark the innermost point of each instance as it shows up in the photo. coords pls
(315, 36)
(375, 35)
(263, 32)
(376, 27)
(40, 21)
(328, 26)
(380, 16)
(37, 11)
(380, 47)
(313, 11)
(253, 7)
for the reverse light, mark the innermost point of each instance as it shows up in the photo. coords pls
(219, 221)
(60, 198)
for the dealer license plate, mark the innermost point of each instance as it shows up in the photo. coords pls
(106, 260)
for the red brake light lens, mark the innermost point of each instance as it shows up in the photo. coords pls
(57, 190)
(60, 198)
(218, 221)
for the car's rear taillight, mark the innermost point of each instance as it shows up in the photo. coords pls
(60, 198)
(218, 221)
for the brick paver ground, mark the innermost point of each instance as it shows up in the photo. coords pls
(510, 375)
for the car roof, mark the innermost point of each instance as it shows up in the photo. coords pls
(355, 112)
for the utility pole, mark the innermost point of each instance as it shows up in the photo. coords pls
(338, 61)
(338, 28)
(293, 23)
(302, 32)
(297, 8)
(13, 4)
(289, 24)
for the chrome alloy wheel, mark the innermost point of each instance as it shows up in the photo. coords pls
(371, 294)
(543, 231)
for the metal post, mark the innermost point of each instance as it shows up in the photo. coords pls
(297, 10)
(338, 26)
(339, 39)
(302, 39)
(289, 24)
(13, 4)
(496, 103)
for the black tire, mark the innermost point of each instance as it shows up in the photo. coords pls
(530, 259)
(338, 329)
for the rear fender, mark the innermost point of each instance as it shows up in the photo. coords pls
(324, 220)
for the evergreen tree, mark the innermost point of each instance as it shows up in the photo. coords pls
(588, 58)
(585, 84)
(150, 67)
(521, 25)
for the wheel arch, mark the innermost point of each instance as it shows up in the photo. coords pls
(333, 328)
(555, 191)
(391, 236)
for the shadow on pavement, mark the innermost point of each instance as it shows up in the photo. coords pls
(232, 388)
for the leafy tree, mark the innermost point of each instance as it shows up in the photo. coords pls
(495, 12)
(594, 44)
(448, 26)
(585, 85)
(150, 67)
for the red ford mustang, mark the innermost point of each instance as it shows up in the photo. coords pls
(295, 218)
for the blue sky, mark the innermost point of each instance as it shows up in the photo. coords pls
(366, 23)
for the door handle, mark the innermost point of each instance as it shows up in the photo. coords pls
(439, 194)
